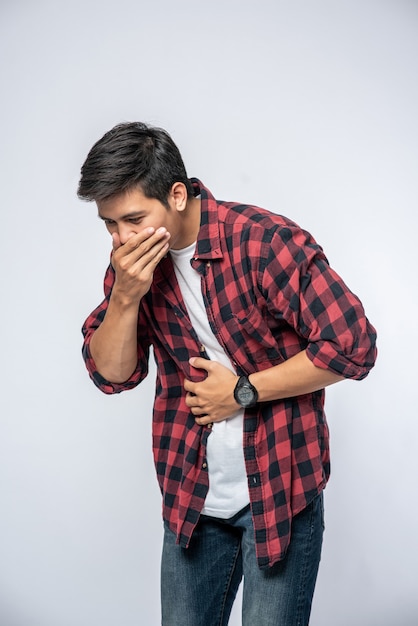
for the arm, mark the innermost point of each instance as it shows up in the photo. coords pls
(301, 289)
(295, 377)
(212, 400)
(113, 344)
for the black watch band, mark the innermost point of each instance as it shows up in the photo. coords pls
(245, 393)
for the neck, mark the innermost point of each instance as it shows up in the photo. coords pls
(191, 223)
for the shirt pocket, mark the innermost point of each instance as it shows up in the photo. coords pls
(258, 342)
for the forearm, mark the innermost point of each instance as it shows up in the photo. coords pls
(295, 377)
(212, 399)
(113, 345)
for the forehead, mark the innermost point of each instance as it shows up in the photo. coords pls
(127, 202)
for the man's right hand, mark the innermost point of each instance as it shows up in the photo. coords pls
(114, 343)
(135, 261)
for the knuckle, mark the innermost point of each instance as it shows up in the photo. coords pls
(131, 271)
(133, 242)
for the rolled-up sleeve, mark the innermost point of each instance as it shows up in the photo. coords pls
(311, 297)
(91, 324)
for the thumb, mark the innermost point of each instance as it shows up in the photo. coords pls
(199, 363)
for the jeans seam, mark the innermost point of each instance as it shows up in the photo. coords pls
(302, 586)
(228, 584)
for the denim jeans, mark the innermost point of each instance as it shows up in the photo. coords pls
(199, 584)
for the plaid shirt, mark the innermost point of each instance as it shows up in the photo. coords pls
(269, 293)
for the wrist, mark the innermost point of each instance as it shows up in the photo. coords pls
(245, 393)
(124, 302)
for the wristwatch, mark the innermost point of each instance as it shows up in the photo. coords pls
(245, 393)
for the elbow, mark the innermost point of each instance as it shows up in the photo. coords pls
(353, 360)
(362, 358)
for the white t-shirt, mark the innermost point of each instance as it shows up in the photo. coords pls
(228, 488)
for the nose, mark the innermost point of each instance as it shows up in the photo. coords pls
(125, 232)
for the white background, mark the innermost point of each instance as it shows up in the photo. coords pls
(308, 108)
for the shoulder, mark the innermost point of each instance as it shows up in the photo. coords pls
(252, 216)
(262, 225)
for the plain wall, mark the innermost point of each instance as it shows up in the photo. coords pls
(308, 108)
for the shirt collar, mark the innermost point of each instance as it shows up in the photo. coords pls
(208, 245)
(208, 241)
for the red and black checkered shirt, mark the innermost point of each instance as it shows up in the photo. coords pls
(269, 293)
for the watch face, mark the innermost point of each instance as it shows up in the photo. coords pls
(245, 395)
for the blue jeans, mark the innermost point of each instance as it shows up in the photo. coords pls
(199, 584)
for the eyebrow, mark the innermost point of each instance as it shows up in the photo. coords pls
(127, 216)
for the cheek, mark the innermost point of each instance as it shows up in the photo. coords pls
(156, 220)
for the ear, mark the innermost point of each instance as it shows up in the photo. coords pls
(178, 196)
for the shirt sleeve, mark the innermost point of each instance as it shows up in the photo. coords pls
(92, 322)
(304, 291)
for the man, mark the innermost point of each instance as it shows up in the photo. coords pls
(248, 325)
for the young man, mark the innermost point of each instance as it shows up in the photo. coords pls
(248, 324)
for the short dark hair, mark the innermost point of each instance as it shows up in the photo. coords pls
(133, 155)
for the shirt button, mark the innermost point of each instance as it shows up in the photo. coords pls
(204, 465)
(255, 480)
(208, 264)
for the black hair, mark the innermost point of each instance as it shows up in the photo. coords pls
(133, 155)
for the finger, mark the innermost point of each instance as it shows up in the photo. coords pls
(199, 363)
(192, 400)
(204, 420)
(146, 246)
(189, 386)
(135, 240)
(115, 241)
(197, 411)
(143, 249)
(148, 262)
